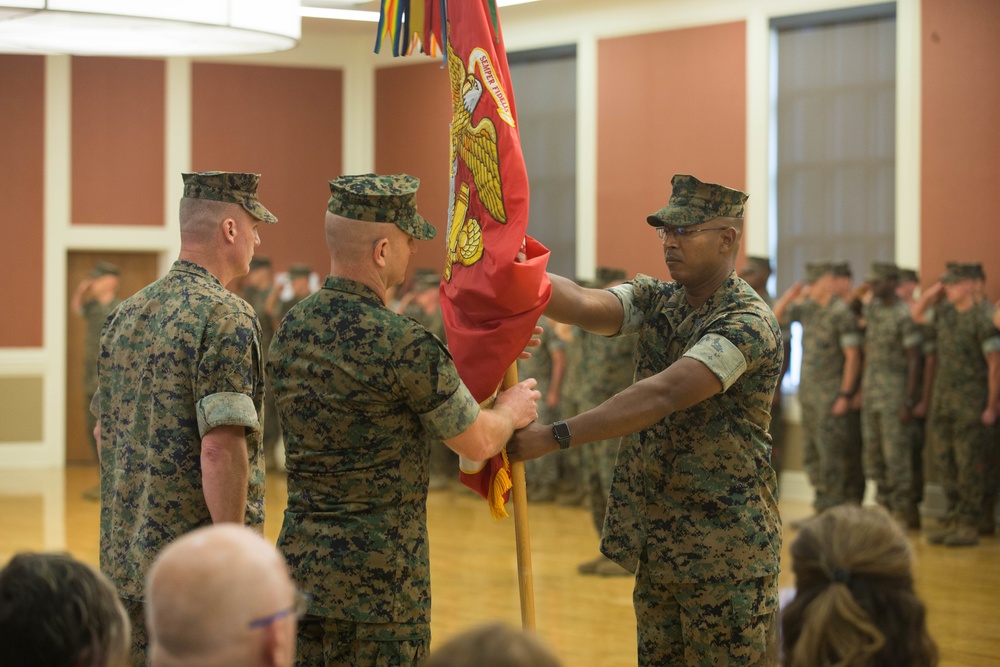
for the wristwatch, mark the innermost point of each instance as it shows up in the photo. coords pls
(560, 431)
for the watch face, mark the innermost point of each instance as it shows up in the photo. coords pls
(560, 430)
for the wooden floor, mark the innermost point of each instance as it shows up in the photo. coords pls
(588, 620)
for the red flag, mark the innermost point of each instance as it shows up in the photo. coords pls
(490, 301)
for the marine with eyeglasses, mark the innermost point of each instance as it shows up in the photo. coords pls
(692, 508)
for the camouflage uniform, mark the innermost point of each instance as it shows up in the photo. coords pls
(257, 297)
(444, 461)
(362, 392)
(541, 474)
(777, 429)
(692, 503)
(607, 369)
(962, 342)
(571, 482)
(888, 452)
(177, 359)
(826, 332)
(95, 314)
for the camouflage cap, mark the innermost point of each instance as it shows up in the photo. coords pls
(376, 198)
(693, 202)
(299, 270)
(260, 263)
(958, 271)
(908, 276)
(841, 269)
(228, 186)
(425, 279)
(758, 264)
(104, 269)
(883, 271)
(605, 275)
(816, 270)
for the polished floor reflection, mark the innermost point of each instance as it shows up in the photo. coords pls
(588, 620)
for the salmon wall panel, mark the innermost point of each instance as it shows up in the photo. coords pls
(22, 134)
(284, 123)
(412, 119)
(960, 162)
(668, 102)
(117, 141)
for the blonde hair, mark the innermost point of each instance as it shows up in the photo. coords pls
(855, 605)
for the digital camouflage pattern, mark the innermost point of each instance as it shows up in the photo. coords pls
(963, 342)
(826, 332)
(94, 315)
(362, 392)
(229, 187)
(378, 198)
(888, 451)
(695, 491)
(692, 202)
(330, 642)
(608, 368)
(178, 358)
(257, 298)
(816, 270)
(285, 305)
(958, 271)
(104, 269)
(444, 461)
(745, 633)
(694, 495)
(299, 271)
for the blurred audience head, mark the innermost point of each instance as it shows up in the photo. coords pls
(221, 595)
(854, 603)
(58, 612)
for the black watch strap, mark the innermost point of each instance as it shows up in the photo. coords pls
(560, 431)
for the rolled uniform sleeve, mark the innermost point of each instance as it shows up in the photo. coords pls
(721, 357)
(634, 316)
(453, 417)
(228, 377)
(226, 409)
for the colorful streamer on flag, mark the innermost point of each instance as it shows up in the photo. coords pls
(494, 286)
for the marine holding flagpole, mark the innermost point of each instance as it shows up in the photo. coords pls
(693, 509)
(362, 391)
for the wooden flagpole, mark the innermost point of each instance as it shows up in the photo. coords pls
(522, 538)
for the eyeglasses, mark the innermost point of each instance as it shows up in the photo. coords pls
(299, 606)
(683, 232)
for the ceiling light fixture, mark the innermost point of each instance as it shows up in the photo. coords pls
(317, 9)
(144, 28)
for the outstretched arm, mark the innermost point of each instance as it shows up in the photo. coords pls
(684, 383)
(595, 310)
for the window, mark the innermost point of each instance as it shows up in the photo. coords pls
(834, 165)
(545, 96)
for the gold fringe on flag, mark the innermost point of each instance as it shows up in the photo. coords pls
(501, 485)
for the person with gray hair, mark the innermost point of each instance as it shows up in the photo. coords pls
(219, 596)
(58, 612)
(181, 393)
